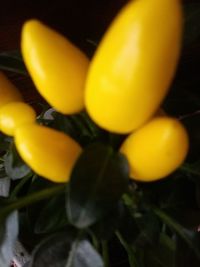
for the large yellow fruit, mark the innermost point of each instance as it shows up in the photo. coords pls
(57, 67)
(156, 149)
(134, 65)
(14, 115)
(8, 92)
(50, 153)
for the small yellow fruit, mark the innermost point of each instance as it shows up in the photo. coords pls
(57, 67)
(15, 114)
(50, 153)
(156, 149)
(8, 92)
(134, 65)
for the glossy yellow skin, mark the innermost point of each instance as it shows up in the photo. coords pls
(8, 92)
(15, 114)
(50, 153)
(156, 149)
(133, 67)
(57, 67)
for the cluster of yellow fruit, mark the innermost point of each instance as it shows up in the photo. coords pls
(121, 88)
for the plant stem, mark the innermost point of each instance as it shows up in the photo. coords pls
(95, 241)
(129, 250)
(30, 199)
(19, 186)
(105, 253)
(92, 128)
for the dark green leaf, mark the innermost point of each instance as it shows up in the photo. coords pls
(8, 237)
(14, 165)
(37, 185)
(65, 250)
(191, 237)
(134, 260)
(64, 124)
(128, 228)
(79, 126)
(84, 255)
(161, 254)
(52, 216)
(192, 22)
(149, 229)
(54, 251)
(105, 228)
(97, 182)
(12, 61)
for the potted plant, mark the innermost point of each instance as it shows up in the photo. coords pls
(101, 176)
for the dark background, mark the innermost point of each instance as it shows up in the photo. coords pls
(79, 20)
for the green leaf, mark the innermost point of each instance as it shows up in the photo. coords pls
(192, 22)
(64, 123)
(149, 229)
(128, 228)
(84, 255)
(54, 251)
(161, 254)
(37, 185)
(65, 250)
(98, 180)
(105, 228)
(14, 165)
(134, 261)
(52, 216)
(191, 237)
(8, 237)
(12, 61)
(78, 126)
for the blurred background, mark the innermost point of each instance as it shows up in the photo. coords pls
(83, 22)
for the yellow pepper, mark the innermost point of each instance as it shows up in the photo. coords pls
(57, 67)
(8, 92)
(134, 64)
(50, 153)
(14, 115)
(156, 149)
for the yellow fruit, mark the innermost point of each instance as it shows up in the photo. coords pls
(15, 114)
(50, 153)
(134, 65)
(57, 67)
(156, 149)
(8, 92)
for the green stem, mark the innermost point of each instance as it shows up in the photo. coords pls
(95, 241)
(79, 125)
(19, 186)
(129, 250)
(92, 128)
(30, 199)
(105, 253)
